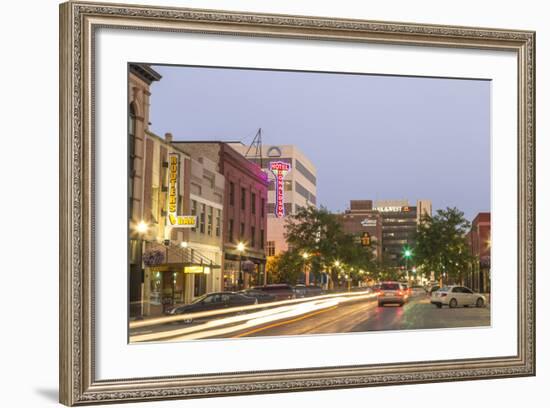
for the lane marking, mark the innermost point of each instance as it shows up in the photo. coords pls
(284, 322)
(362, 309)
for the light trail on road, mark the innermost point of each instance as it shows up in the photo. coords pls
(233, 324)
(211, 313)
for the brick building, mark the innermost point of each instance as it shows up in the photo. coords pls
(479, 239)
(365, 224)
(244, 212)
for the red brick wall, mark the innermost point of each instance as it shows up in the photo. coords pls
(249, 176)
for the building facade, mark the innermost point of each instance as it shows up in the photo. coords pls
(164, 267)
(292, 185)
(479, 240)
(244, 213)
(399, 222)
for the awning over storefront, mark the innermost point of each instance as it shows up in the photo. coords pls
(254, 256)
(170, 257)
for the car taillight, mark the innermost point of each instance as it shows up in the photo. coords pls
(380, 293)
(443, 295)
(400, 293)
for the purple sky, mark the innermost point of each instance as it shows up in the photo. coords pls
(370, 137)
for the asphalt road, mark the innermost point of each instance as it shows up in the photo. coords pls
(321, 318)
(418, 313)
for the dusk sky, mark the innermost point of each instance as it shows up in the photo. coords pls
(370, 137)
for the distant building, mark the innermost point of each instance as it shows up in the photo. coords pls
(479, 239)
(296, 187)
(365, 224)
(244, 211)
(399, 222)
(391, 224)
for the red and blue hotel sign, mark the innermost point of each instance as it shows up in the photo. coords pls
(280, 170)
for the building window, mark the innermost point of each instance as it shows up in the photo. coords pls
(243, 198)
(218, 222)
(131, 158)
(287, 185)
(305, 193)
(262, 208)
(253, 203)
(210, 219)
(288, 208)
(242, 231)
(195, 189)
(270, 248)
(194, 212)
(307, 174)
(252, 237)
(231, 193)
(202, 217)
(230, 232)
(200, 284)
(180, 204)
(262, 240)
(270, 208)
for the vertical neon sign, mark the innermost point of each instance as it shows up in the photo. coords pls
(279, 170)
(172, 189)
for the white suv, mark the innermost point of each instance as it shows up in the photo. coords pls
(454, 296)
(392, 292)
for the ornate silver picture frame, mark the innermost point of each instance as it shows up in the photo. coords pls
(79, 23)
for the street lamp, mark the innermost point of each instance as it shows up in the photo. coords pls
(141, 228)
(184, 244)
(407, 254)
(337, 265)
(241, 248)
(305, 255)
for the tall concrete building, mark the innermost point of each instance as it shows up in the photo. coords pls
(292, 185)
(399, 222)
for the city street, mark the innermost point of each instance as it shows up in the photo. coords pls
(337, 313)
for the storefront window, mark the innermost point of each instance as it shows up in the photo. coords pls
(210, 219)
(200, 284)
(156, 285)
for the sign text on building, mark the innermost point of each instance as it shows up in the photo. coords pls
(280, 170)
(368, 222)
(393, 209)
(173, 219)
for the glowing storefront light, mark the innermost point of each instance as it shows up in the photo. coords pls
(280, 170)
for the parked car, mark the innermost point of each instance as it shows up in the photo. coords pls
(214, 301)
(454, 296)
(300, 291)
(281, 291)
(406, 288)
(313, 290)
(392, 292)
(417, 290)
(433, 289)
(261, 296)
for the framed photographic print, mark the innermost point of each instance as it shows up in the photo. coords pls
(256, 203)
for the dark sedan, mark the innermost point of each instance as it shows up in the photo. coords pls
(214, 301)
(261, 296)
(281, 291)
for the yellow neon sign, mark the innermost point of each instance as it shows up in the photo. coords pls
(173, 219)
